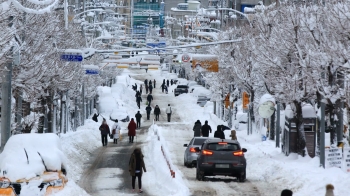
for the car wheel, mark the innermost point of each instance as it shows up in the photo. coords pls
(185, 164)
(200, 175)
(242, 176)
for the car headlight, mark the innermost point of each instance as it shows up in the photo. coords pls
(58, 182)
(4, 184)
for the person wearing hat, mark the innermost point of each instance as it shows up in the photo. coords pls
(197, 128)
(136, 165)
(104, 129)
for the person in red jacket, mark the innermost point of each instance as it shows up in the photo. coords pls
(132, 130)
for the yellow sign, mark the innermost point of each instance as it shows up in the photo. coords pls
(245, 100)
(116, 52)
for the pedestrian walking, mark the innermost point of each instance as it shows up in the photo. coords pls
(138, 119)
(150, 88)
(146, 70)
(233, 135)
(136, 166)
(141, 87)
(150, 83)
(138, 101)
(206, 129)
(146, 82)
(168, 112)
(154, 83)
(163, 87)
(197, 128)
(167, 83)
(131, 130)
(171, 82)
(115, 131)
(135, 87)
(329, 190)
(286, 192)
(137, 94)
(157, 112)
(149, 98)
(148, 111)
(219, 133)
(104, 129)
(166, 89)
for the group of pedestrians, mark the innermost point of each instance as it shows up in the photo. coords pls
(203, 131)
(149, 85)
(105, 131)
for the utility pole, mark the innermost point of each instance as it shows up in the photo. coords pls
(278, 126)
(230, 109)
(322, 135)
(65, 14)
(83, 103)
(6, 97)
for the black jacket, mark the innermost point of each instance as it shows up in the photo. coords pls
(205, 129)
(149, 97)
(146, 82)
(150, 86)
(138, 116)
(139, 99)
(219, 134)
(94, 118)
(137, 94)
(148, 109)
(156, 111)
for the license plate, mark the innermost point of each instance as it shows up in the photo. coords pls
(222, 166)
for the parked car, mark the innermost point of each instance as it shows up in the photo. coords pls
(201, 101)
(221, 157)
(180, 89)
(190, 156)
(32, 164)
(121, 114)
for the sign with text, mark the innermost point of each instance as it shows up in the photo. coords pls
(346, 159)
(91, 72)
(72, 57)
(334, 157)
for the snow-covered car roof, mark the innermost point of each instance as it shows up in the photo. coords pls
(14, 163)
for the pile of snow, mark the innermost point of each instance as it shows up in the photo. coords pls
(158, 177)
(14, 164)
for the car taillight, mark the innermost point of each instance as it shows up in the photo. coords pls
(222, 143)
(207, 152)
(192, 150)
(238, 153)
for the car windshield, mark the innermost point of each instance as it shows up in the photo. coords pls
(223, 146)
(199, 141)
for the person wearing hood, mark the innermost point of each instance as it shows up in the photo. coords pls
(233, 135)
(104, 129)
(329, 190)
(206, 129)
(148, 111)
(137, 94)
(136, 167)
(157, 112)
(197, 128)
(150, 88)
(138, 119)
(131, 130)
(287, 192)
(115, 131)
(154, 83)
(149, 98)
(219, 133)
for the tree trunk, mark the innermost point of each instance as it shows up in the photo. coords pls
(301, 142)
(272, 126)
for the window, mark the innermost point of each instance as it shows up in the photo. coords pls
(223, 146)
(199, 141)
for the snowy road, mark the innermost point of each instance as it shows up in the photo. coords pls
(106, 173)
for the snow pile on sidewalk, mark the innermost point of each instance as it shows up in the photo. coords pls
(158, 179)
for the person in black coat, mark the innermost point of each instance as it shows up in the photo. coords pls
(138, 101)
(149, 98)
(154, 83)
(148, 111)
(205, 129)
(167, 83)
(137, 94)
(163, 87)
(94, 118)
(219, 133)
(157, 112)
(150, 88)
(171, 82)
(150, 82)
(138, 119)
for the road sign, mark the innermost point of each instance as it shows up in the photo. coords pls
(72, 57)
(334, 157)
(186, 58)
(346, 160)
(91, 72)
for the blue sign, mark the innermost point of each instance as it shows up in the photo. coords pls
(71, 57)
(91, 72)
(157, 45)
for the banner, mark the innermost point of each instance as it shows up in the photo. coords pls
(346, 159)
(334, 157)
